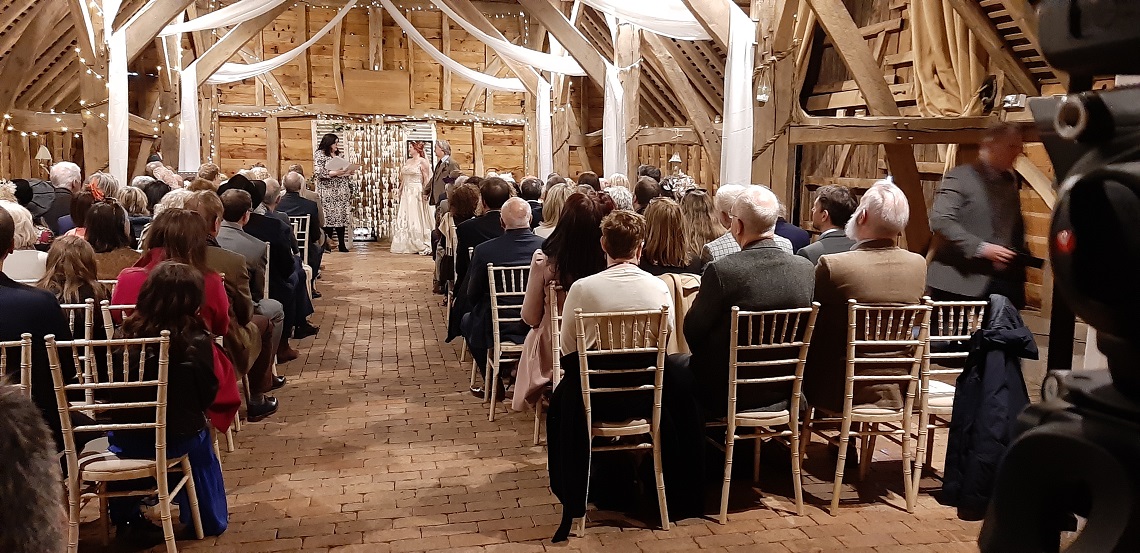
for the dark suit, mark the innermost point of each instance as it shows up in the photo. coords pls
(60, 207)
(758, 278)
(473, 300)
(35, 311)
(876, 271)
(286, 277)
(535, 213)
(796, 235)
(293, 205)
(831, 241)
(471, 233)
(434, 188)
(976, 204)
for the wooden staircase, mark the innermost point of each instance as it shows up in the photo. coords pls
(1016, 23)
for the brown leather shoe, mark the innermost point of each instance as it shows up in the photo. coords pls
(286, 354)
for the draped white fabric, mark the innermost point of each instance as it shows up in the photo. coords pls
(614, 158)
(190, 139)
(118, 111)
(669, 18)
(539, 60)
(490, 81)
(231, 72)
(110, 10)
(230, 15)
(736, 135)
(543, 127)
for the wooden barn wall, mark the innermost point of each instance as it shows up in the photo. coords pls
(241, 141)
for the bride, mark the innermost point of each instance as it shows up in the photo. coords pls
(414, 220)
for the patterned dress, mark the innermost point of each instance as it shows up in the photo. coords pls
(335, 193)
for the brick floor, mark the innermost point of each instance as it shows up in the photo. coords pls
(378, 447)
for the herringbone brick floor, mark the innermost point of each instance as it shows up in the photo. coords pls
(379, 447)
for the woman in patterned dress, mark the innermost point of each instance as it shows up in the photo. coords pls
(334, 189)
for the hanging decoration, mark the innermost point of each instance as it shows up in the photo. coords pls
(230, 15)
(736, 132)
(541, 61)
(669, 18)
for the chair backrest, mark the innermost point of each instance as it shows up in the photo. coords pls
(145, 391)
(265, 281)
(623, 333)
(23, 349)
(110, 284)
(887, 336)
(452, 240)
(769, 348)
(85, 363)
(952, 322)
(113, 313)
(508, 287)
(552, 290)
(301, 231)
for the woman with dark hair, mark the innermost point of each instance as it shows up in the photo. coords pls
(74, 223)
(169, 299)
(411, 230)
(462, 202)
(333, 186)
(572, 252)
(108, 232)
(154, 190)
(665, 240)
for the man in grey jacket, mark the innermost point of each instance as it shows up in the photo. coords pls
(979, 232)
(433, 189)
(833, 206)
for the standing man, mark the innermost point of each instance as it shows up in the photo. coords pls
(433, 189)
(833, 206)
(978, 227)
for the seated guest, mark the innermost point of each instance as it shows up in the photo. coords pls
(255, 336)
(311, 195)
(552, 208)
(72, 273)
(573, 251)
(37, 312)
(619, 180)
(155, 191)
(473, 301)
(24, 262)
(74, 223)
(268, 207)
(493, 193)
(30, 478)
(134, 201)
(701, 224)
(108, 232)
(796, 235)
(621, 196)
(874, 271)
(590, 178)
(103, 186)
(649, 171)
(665, 240)
(236, 205)
(462, 201)
(67, 181)
(723, 201)
(643, 192)
(293, 205)
(211, 173)
(169, 299)
(620, 287)
(530, 189)
(202, 185)
(759, 277)
(832, 208)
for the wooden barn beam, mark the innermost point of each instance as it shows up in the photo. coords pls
(14, 72)
(627, 52)
(653, 136)
(777, 34)
(468, 11)
(149, 21)
(714, 16)
(1001, 55)
(77, 9)
(570, 38)
(230, 44)
(375, 38)
(32, 121)
(338, 63)
(659, 56)
(890, 130)
(268, 80)
(857, 56)
(477, 90)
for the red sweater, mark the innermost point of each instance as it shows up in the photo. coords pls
(215, 308)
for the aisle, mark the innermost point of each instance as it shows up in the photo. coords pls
(379, 447)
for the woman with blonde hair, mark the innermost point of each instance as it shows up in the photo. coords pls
(618, 179)
(71, 272)
(701, 226)
(552, 208)
(134, 200)
(25, 262)
(665, 250)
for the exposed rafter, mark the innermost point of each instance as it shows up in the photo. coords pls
(659, 55)
(233, 41)
(569, 37)
(14, 73)
(1001, 54)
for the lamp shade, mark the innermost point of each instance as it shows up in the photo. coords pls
(43, 154)
(676, 158)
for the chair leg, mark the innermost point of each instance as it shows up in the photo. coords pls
(192, 495)
(837, 487)
(756, 461)
(104, 515)
(164, 499)
(463, 357)
(491, 387)
(924, 433)
(909, 481)
(660, 477)
(797, 477)
(729, 445)
(868, 452)
(537, 420)
(930, 429)
(805, 433)
(230, 447)
(73, 514)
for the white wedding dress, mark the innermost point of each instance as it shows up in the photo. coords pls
(411, 231)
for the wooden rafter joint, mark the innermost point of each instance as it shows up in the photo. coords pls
(896, 130)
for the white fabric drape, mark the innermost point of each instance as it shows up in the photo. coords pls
(189, 141)
(544, 128)
(231, 72)
(232, 14)
(736, 134)
(669, 18)
(538, 60)
(490, 81)
(118, 111)
(614, 158)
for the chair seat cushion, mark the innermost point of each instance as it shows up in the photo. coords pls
(107, 467)
(629, 427)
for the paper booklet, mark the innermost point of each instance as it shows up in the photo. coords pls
(340, 164)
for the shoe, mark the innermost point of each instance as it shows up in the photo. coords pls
(342, 249)
(316, 294)
(140, 532)
(258, 411)
(477, 392)
(286, 354)
(278, 383)
(302, 332)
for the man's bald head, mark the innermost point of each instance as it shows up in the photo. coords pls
(515, 214)
(293, 181)
(754, 214)
(882, 213)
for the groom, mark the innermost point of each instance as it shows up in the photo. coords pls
(434, 188)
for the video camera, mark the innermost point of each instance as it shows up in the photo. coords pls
(1078, 454)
